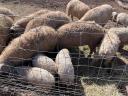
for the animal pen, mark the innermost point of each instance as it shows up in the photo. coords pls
(49, 61)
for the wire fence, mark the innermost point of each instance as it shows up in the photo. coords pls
(23, 80)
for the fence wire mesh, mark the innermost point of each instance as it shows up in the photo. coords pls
(21, 79)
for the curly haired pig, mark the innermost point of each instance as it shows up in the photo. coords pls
(80, 33)
(5, 24)
(122, 4)
(33, 75)
(36, 76)
(53, 19)
(122, 18)
(76, 8)
(7, 12)
(100, 14)
(65, 67)
(109, 45)
(44, 62)
(122, 32)
(114, 40)
(22, 48)
(20, 25)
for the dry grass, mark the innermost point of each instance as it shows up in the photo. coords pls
(119, 73)
(106, 90)
(94, 87)
(103, 87)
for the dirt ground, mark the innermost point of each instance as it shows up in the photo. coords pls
(24, 7)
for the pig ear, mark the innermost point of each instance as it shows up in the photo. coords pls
(114, 15)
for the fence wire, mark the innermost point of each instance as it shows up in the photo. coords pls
(86, 69)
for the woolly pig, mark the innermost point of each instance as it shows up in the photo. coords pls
(45, 62)
(65, 67)
(42, 38)
(122, 32)
(79, 34)
(76, 8)
(20, 25)
(5, 23)
(122, 4)
(100, 14)
(36, 76)
(109, 45)
(122, 18)
(52, 19)
(7, 12)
